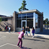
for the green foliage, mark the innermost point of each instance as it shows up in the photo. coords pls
(23, 6)
(46, 21)
(0, 19)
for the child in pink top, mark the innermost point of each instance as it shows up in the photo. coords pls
(21, 34)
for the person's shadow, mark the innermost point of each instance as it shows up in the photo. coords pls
(25, 48)
(34, 39)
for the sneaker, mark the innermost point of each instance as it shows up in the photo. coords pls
(17, 45)
(20, 46)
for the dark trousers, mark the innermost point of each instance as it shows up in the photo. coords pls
(9, 30)
(33, 34)
(20, 42)
(26, 33)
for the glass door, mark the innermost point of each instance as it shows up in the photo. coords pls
(23, 23)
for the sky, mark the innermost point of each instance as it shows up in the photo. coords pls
(7, 7)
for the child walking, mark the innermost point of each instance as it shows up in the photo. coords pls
(33, 31)
(29, 31)
(21, 34)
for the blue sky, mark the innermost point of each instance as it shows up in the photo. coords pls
(7, 7)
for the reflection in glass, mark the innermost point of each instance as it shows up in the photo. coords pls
(29, 13)
(23, 15)
(19, 15)
(31, 16)
(30, 23)
(19, 23)
(36, 20)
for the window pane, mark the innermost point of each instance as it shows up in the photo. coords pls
(31, 16)
(3, 19)
(6, 19)
(30, 23)
(29, 13)
(19, 15)
(23, 15)
(19, 23)
(36, 20)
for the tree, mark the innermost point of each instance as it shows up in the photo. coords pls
(46, 20)
(23, 6)
(43, 21)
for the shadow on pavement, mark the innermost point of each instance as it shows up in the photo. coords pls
(40, 37)
(34, 39)
(25, 48)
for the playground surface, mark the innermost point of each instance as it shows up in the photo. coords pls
(10, 40)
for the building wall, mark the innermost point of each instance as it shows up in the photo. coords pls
(13, 22)
(3, 24)
(40, 22)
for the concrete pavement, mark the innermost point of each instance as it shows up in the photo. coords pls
(10, 40)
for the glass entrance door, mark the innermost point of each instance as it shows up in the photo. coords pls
(23, 23)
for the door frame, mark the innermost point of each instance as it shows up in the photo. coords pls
(22, 23)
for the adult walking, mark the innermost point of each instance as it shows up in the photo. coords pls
(33, 31)
(26, 30)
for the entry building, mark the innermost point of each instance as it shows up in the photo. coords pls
(31, 18)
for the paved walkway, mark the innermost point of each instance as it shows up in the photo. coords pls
(36, 35)
(10, 40)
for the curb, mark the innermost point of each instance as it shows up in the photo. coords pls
(41, 36)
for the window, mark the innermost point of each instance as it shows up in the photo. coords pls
(23, 15)
(3, 19)
(19, 23)
(6, 19)
(30, 23)
(19, 15)
(29, 15)
(36, 20)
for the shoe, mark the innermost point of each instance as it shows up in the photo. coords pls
(17, 45)
(20, 46)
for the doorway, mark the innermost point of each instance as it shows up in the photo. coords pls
(23, 23)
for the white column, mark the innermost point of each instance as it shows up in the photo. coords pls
(34, 20)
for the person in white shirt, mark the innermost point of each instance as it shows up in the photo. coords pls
(9, 28)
